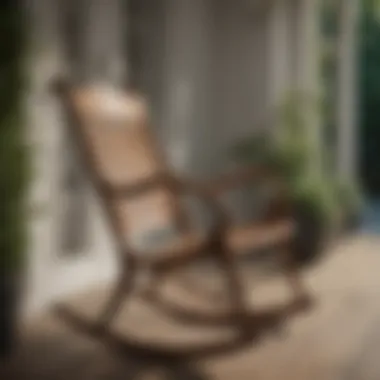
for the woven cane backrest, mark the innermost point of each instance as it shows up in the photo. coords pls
(114, 131)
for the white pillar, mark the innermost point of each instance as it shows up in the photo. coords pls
(347, 89)
(307, 76)
(45, 60)
(185, 88)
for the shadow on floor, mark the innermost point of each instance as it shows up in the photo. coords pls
(53, 357)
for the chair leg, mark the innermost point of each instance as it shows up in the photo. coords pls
(235, 286)
(153, 286)
(301, 294)
(290, 269)
(121, 292)
(191, 286)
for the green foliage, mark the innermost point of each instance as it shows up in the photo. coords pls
(317, 196)
(12, 147)
(370, 95)
(349, 196)
(292, 154)
(290, 151)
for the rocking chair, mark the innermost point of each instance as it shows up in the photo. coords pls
(132, 179)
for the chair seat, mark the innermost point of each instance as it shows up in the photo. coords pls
(112, 132)
(266, 235)
(239, 239)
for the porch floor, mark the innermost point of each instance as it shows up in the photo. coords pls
(338, 340)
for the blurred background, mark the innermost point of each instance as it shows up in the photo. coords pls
(291, 83)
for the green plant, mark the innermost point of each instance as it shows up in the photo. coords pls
(292, 153)
(287, 153)
(350, 198)
(317, 195)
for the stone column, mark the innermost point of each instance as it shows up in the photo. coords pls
(347, 89)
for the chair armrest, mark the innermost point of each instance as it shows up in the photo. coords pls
(171, 259)
(242, 176)
(205, 194)
(175, 184)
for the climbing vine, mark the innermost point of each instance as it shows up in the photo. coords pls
(12, 147)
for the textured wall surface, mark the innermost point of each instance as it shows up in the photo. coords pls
(206, 66)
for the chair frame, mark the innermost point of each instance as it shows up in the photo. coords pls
(248, 325)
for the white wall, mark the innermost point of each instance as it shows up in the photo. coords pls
(51, 275)
(214, 71)
(214, 89)
(347, 105)
(241, 65)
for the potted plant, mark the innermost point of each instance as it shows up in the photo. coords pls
(291, 154)
(317, 216)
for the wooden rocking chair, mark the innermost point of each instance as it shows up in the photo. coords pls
(130, 175)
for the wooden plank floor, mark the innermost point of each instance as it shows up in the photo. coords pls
(338, 340)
